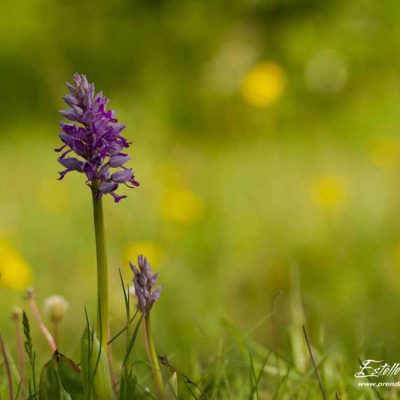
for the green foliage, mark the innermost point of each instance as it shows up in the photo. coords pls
(16, 379)
(32, 390)
(128, 384)
(9, 378)
(70, 374)
(61, 379)
(50, 386)
(171, 388)
(95, 368)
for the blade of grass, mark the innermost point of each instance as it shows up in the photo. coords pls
(260, 374)
(253, 378)
(113, 377)
(314, 365)
(18, 390)
(273, 325)
(127, 308)
(89, 352)
(117, 335)
(186, 380)
(132, 343)
(297, 316)
(283, 383)
(100, 321)
(7, 368)
(30, 353)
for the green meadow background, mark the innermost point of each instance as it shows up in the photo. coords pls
(266, 142)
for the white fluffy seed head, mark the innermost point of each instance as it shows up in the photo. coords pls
(55, 307)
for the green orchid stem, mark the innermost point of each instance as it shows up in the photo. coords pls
(158, 379)
(102, 270)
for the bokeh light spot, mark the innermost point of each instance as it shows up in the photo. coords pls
(326, 72)
(151, 250)
(263, 85)
(181, 205)
(59, 199)
(328, 192)
(384, 151)
(15, 272)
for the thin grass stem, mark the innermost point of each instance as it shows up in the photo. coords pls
(7, 368)
(39, 321)
(314, 364)
(20, 349)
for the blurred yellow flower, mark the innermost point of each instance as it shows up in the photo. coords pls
(14, 270)
(181, 205)
(328, 192)
(172, 173)
(263, 85)
(384, 150)
(151, 250)
(397, 259)
(57, 201)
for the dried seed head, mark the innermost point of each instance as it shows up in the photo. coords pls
(16, 314)
(55, 308)
(29, 293)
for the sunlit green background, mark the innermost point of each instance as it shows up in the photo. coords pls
(266, 141)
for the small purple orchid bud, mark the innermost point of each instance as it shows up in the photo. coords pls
(69, 114)
(117, 129)
(72, 164)
(156, 294)
(71, 101)
(144, 282)
(107, 187)
(82, 80)
(67, 139)
(122, 176)
(72, 89)
(118, 160)
(105, 172)
(78, 110)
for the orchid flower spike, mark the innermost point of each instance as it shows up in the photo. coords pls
(94, 136)
(144, 282)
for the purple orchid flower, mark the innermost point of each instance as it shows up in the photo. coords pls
(144, 282)
(95, 136)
